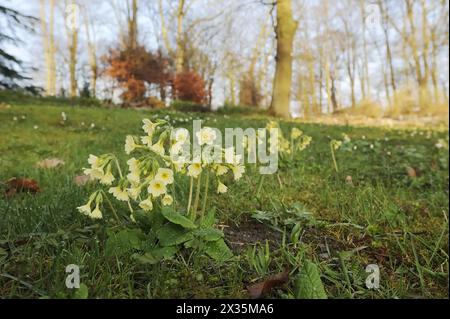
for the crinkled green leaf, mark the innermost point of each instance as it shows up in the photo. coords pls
(218, 250)
(209, 219)
(171, 235)
(209, 234)
(156, 255)
(177, 218)
(308, 284)
(124, 241)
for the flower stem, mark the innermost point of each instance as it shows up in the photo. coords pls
(334, 159)
(205, 199)
(118, 167)
(191, 188)
(197, 195)
(112, 207)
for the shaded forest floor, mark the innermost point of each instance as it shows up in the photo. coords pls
(387, 205)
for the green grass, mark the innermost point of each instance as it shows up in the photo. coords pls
(384, 217)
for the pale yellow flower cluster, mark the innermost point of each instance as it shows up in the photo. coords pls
(151, 171)
(298, 141)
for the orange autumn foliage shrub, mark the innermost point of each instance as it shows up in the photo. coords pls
(136, 68)
(189, 86)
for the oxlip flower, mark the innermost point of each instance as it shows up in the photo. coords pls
(108, 178)
(146, 205)
(119, 193)
(194, 170)
(149, 127)
(221, 188)
(157, 188)
(165, 175)
(296, 133)
(158, 148)
(221, 170)
(130, 145)
(167, 200)
(146, 140)
(180, 135)
(206, 135)
(96, 213)
(85, 209)
(134, 191)
(238, 171)
(95, 173)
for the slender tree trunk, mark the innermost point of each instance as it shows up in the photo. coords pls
(92, 53)
(180, 37)
(334, 102)
(72, 39)
(132, 26)
(285, 32)
(413, 41)
(51, 77)
(46, 46)
(385, 18)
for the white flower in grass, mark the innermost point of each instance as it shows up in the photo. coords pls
(167, 200)
(221, 188)
(96, 213)
(206, 135)
(119, 193)
(146, 205)
(165, 175)
(157, 188)
(238, 171)
(130, 145)
(194, 170)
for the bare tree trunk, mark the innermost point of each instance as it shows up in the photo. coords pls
(46, 45)
(49, 47)
(180, 37)
(285, 32)
(164, 30)
(132, 26)
(92, 52)
(365, 75)
(413, 41)
(385, 18)
(72, 36)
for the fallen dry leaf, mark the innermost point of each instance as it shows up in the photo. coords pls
(50, 163)
(17, 185)
(411, 172)
(82, 180)
(258, 290)
(349, 180)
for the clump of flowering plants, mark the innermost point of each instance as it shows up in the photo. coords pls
(288, 147)
(147, 187)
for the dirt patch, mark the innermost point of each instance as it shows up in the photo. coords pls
(249, 233)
